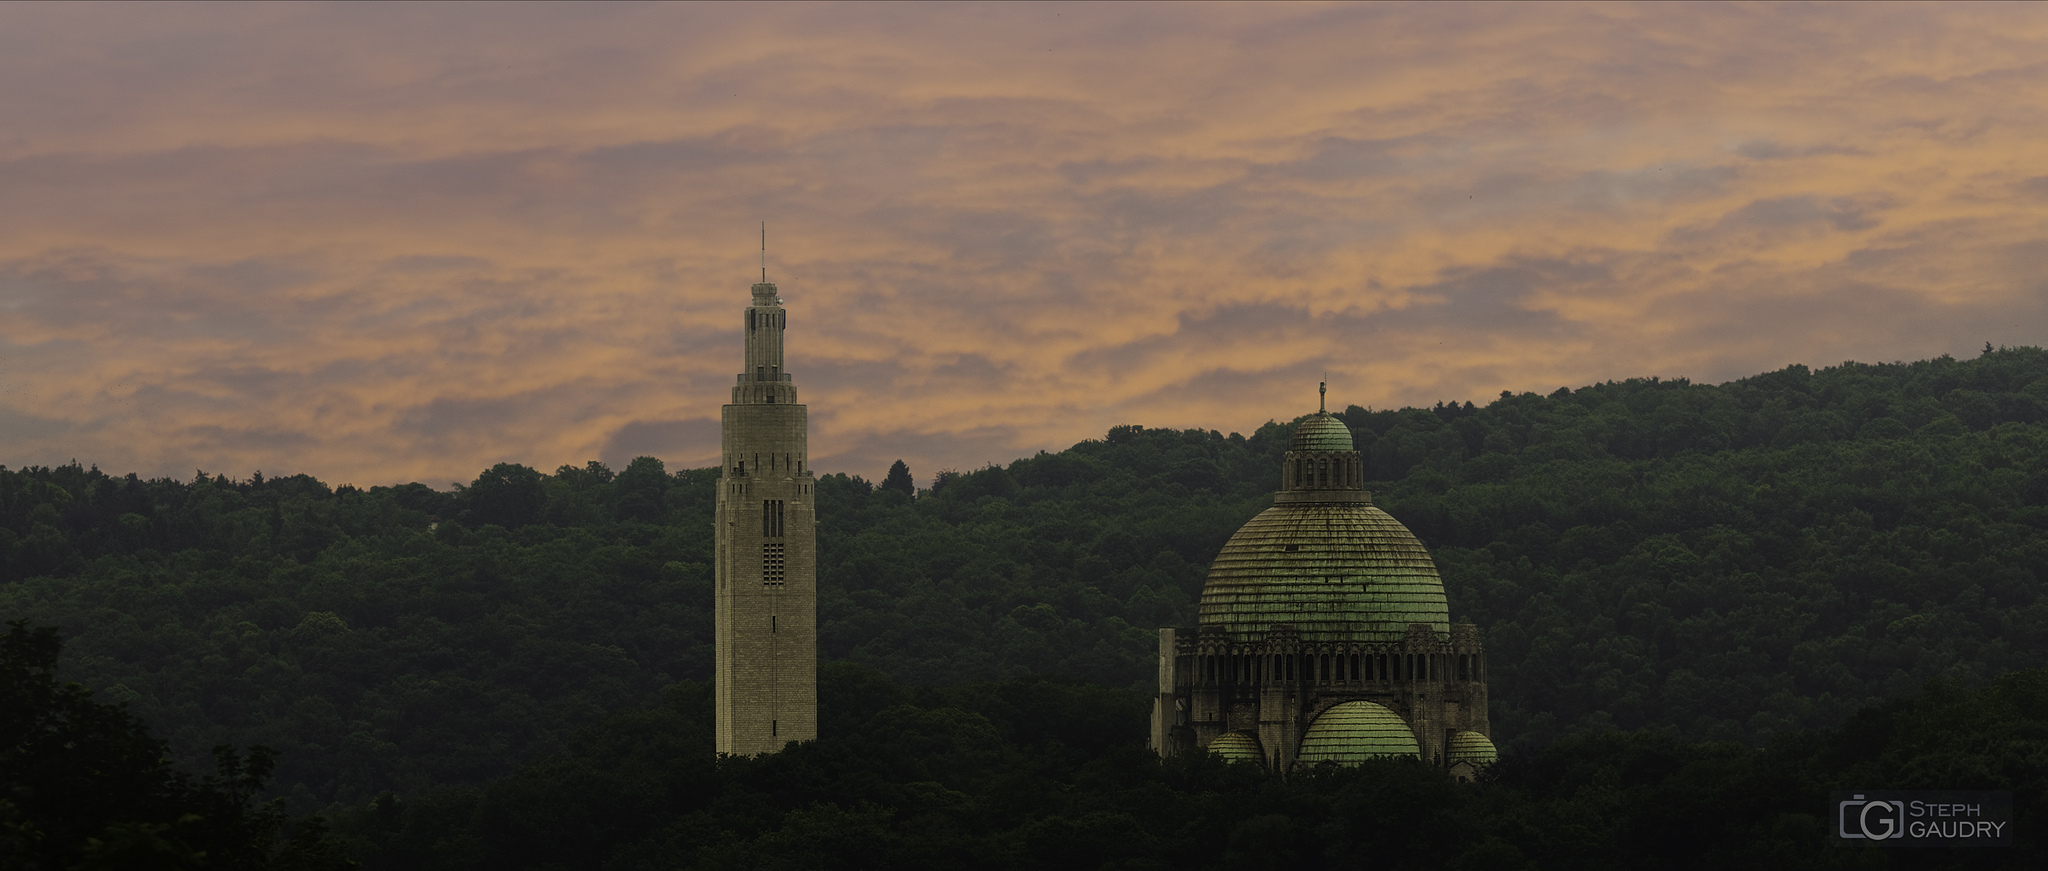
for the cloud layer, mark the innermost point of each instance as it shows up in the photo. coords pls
(387, 243)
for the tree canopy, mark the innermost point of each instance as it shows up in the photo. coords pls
(1725, 562)
(84, 785)
(1042, 773)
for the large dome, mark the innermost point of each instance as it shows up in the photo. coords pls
(1334, 571)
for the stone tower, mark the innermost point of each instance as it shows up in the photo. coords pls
(767, 573)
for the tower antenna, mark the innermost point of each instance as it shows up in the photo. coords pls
(764, 252)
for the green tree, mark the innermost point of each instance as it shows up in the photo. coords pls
(899, 479)
(507, 494)
(85, 785)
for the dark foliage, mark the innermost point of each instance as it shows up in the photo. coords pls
(1032, 773)
(83, 785)
(1730, 562)
(899, 479)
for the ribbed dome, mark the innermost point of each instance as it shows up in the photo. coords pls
(1353, 732)
(1238, 747)
(1471, 747)
(1335, 571)
(1321, 433)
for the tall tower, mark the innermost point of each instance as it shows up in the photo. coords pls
(767, 574)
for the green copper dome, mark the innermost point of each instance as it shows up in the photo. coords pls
(1321, 432)
(1471, 747)
(1353, 732)
(1238, 747)
(1334, 571)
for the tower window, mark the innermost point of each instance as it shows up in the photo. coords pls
(772, 564)
(772, 728)
(771, 518)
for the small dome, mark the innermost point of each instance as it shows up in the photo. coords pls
(1471, 747)
(1353, 732)
(1238, 747)
(1321, 433)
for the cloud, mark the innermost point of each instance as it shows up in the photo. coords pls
(378, 244)
(693, 443)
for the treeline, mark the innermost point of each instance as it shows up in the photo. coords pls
(1726, 561)
(1035, 773)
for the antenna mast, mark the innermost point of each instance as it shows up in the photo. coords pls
(764, 252)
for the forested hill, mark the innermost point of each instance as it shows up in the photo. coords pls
(1726, 560)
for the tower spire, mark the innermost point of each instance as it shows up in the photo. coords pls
(764, 252)
(1323, 395)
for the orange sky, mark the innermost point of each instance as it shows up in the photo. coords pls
(380, 243)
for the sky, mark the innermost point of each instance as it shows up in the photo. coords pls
(378, 243)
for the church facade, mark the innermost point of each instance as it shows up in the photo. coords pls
(1323, 635)
(766, 576)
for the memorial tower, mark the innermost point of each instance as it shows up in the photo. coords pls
(767, 552)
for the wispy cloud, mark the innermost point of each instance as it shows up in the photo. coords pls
(384, 243)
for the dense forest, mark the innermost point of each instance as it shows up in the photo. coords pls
(86, 786)
(1734, 562)
(1024, 773)
(1031, 773)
